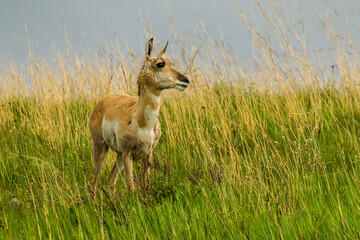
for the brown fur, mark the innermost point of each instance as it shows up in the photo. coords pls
(129, 125)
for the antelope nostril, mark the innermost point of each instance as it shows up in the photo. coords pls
(185, 79)
(182, 78)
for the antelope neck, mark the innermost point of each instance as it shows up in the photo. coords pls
(147, 108)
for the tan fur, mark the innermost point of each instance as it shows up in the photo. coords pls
(129, 125)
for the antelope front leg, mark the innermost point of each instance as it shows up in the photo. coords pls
(128, 164)
(146, 169)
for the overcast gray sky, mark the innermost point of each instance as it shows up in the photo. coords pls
(94, 22)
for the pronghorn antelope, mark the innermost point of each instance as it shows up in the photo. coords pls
(129, 125)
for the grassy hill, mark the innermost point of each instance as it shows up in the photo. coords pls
(231, 163)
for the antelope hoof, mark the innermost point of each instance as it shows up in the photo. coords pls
(131, 188)
(112, 190)
(92, 193)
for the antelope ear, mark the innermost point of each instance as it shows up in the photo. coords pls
(149, 49)
(162, 53)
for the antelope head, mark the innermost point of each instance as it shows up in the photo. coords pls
(165, 76)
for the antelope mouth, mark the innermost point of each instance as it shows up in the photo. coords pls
(181, 86)
(184, 85)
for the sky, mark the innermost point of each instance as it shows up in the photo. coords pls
(94, 23)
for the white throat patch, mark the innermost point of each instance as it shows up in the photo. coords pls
(153, 96)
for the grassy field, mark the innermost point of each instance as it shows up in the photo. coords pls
(272, 153)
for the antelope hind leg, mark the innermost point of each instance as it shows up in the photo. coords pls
(119, 165)
(100, 151)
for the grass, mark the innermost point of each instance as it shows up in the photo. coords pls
(248, 165)
(272, 153)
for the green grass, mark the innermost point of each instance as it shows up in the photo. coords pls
(231, 163)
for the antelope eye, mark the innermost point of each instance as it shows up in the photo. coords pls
(160, 64)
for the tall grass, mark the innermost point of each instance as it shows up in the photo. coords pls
(267, 153)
